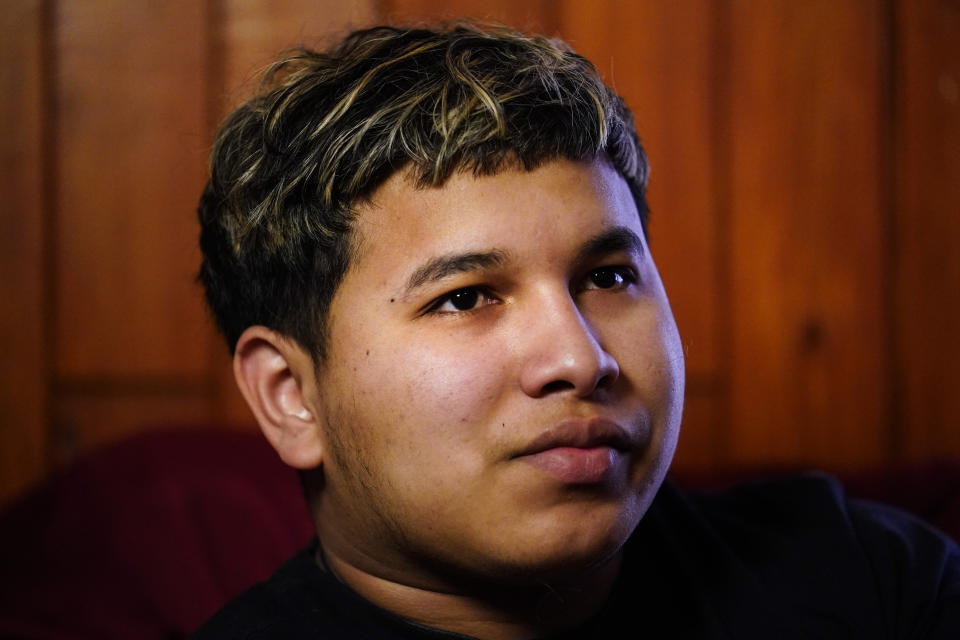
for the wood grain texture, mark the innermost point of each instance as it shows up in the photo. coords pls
(928, 226)
(538, 16)
(249, 34)
(130, 151)
(702, 435)
(23, 390)
(805, 193)
(810, 374)
(91, 416)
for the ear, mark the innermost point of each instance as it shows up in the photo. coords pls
(276, 377)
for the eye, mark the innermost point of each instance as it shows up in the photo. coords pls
(461, 300)
(610, 278)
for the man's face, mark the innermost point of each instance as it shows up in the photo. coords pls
(504, 382)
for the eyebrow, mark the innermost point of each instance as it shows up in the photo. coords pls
(611, 241)
(448, 265)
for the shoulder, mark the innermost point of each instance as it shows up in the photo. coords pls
(916, 569)
(269, 609)
(815, 551)
(300, 601)
(808, 504)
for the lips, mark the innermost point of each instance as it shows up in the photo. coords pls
(578, 451)
(585, 434)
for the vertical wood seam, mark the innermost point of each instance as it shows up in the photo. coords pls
(890, 195)
(49, 203)
(213, 81)
(720, 66)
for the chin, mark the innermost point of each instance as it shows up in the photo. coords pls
(568, 548)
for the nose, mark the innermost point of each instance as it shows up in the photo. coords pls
(562, 353)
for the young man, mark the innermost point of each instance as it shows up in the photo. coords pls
(427, 251)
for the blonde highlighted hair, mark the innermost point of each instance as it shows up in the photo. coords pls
(327, 128)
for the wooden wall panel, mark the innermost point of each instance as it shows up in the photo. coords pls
(23, 351)
(703, 435)
(90, 416)
(534, 15)
(130, 155)
(661, 58)
(805, 193)
(249, 34)
(810, 367)
(928, 226)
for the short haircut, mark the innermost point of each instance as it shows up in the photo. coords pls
(326, 129)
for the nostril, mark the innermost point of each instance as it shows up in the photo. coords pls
(605, 381)
(555, 386)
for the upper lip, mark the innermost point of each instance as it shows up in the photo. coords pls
(584, 434)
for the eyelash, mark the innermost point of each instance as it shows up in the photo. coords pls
(480, 292)
(627, 277)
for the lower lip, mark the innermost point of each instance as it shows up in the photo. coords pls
(576, 466)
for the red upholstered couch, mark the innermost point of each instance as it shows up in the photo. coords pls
(146, 539)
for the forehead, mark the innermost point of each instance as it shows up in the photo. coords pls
(552, 208)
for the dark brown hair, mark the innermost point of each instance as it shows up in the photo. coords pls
(327, 128)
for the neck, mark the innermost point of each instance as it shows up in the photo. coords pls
(485, 611)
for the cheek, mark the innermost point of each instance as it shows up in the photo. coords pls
(665, 340)
(445, 392)
(456, 381)
(426, 421)
(650, 354)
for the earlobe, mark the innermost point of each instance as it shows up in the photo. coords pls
(275, 376)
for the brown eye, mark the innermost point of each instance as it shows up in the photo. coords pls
(606, 278)
(464, 299)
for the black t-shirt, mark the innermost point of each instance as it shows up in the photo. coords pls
(787, 559)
